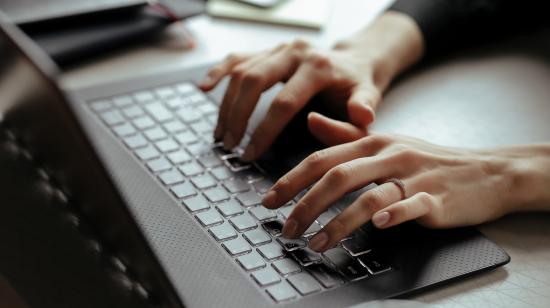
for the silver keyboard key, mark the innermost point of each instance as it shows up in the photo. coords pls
(306, 256)
(135, 141)
(249, 198)
(264, 185)
(291, 244)
(174, 126)
(351, 268)
(325, 275)
(221, 173)
(196, 203)
(327, 216)
(251, 261)
(167, 145)
(237, 246)
(243, 222)
(266, 277)
(123, 101)
(176, 102)
(183, 190)
(171, 177)
(262, 214)
(186, 137)
(165, 92)
(236, 164)
(236, 186)
(112, 117)
(159, 164)
(202, 127)
(159, 112)
(281, 292)
(179, 157)
(207, 108)
(123, 130)
(185, 88)
(304, 283)
(312, 229)
(147, 153)
(188, 115)
(143, 97)
(210, 161)
(216, 194)
(191, 169)
(230, 208)
(285, 211)
(155, 133)
(203, 181)
(209, 218)
(257, 237)
(199, 149)
(101, 105)
(133, 112)
(223, 232)
(271, 251)
(286, 266)
(143, 122)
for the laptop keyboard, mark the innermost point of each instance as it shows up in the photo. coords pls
(169, 129)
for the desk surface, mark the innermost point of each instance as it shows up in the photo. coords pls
(492, 99)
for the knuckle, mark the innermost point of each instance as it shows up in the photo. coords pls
(300, 44)
(380, 140)
(339, 173)
(319, 60)
(238, 72)
(315, 159)
(283, 105)
(373, 200)
(253, 78)
(231, 58)
(427, 200)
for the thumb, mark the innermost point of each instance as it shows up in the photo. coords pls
(332, 132)
(361, 105)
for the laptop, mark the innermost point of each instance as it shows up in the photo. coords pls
(137, 160)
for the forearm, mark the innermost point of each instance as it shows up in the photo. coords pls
(391, 44)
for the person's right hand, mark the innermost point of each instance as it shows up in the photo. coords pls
(350, 77)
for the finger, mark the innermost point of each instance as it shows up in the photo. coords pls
(332, 186)
(297, 92)
(231, 94)
(258, 78)
(333, 132)
(316, 165)
(355, 215)
(222, 69)
(412, 208)
(361, 105)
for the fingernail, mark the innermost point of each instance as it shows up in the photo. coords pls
(289, 230)
(380, 219)
(270, 198)
(249, 153)
(318, 241)
(228, 141)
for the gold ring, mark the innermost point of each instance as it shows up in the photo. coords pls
(401, 186)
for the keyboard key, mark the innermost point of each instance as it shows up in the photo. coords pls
(210, 161)
(123, 130)
(165, 92)
(184, 88)
(196, 203)
(374, 264)
(143, 97)
(209, 218)
(351, 268)
(304, 283)
(203, 181)
(285, 211)
(281, 292)
(123, 101)
(249, 199)
(266, 277)
(236, 164)
(223, 232)
(306, 256)
(197, 97)
(191, 169)
(327, 216)
(357, 246)
(273, 227)
(221, 173)
(216, 194)
(176, 102)
(230, 208)
(243, 222)
(257, 237)
(143, 122)
(167, 145)
(188, 115)
(262, 214)
(147, 153)
(183, 190)
(207, 108)
(286, 266)
(202, 127)
(237, 246)
(171, 177)
(199, 149)
(112, 117)
(291, 244)
(174, 126)
(155, 134)
(159, 164)
(325, 275)
(271, 251)
(251, 261)
(236, 186)
(135, 141)
(101, 105)
(179, 157)
(263, 186)
(186, 137)
(312, 229)
(251, 174)
(159, 112)
(133, 112)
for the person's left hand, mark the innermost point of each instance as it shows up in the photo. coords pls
(444, 187)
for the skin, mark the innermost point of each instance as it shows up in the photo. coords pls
(444, 187)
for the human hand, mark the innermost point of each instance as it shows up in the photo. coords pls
(349, 77)
(444, 187)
